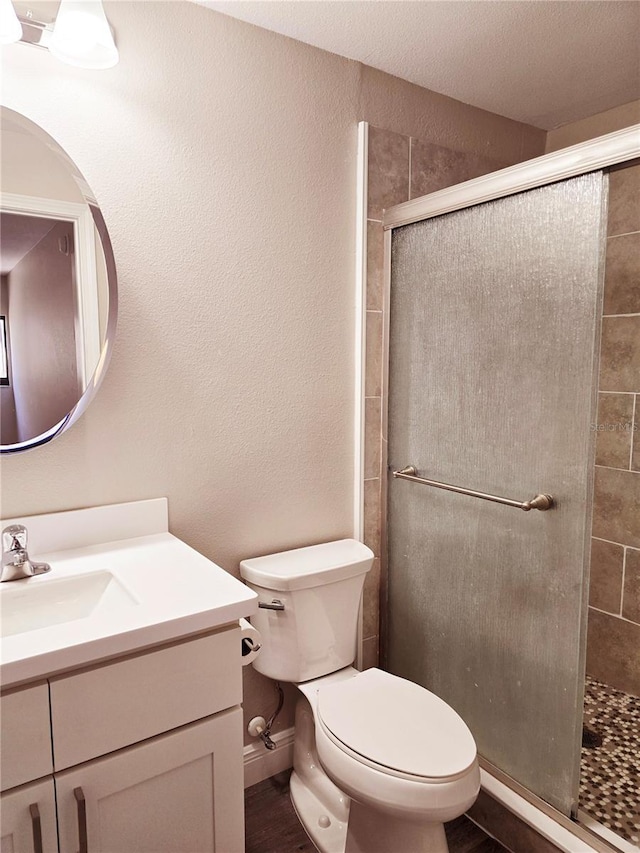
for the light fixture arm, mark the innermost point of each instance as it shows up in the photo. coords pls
(36, 33)
(80, 34)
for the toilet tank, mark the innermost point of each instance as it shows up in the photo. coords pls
(320, 587)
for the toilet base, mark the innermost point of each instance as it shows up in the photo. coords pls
(337, 824)
(372, 831)
(321, 824)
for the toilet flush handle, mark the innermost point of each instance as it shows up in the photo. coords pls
(274, 604)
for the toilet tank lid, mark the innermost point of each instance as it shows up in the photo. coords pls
(315, 565)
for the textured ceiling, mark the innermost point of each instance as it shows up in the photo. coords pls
(544, 62)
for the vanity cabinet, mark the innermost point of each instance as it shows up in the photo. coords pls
(147, 754)
(29, 819)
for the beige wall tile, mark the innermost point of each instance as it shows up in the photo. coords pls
(434, 167)
(371, 602)
(614, 430)
(622, 275)
(611, 643)
(387, 101)
(624, 200)
(375, 262)
(605, 582)
(631, 599)
(371, 437)
(616, 506)
(370, 652)
(620, 354)
(373, 368)
(372, 515)
(388, 170)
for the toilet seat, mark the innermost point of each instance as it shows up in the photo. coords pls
(396, 727)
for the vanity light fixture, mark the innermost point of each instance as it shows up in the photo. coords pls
(10, 28)
(80, 34)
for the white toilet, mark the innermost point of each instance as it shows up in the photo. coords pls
(379, 762)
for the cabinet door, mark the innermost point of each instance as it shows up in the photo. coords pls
(29, 819)
(179, 793)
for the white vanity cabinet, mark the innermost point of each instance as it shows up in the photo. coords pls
(147, 754)
(28, 819)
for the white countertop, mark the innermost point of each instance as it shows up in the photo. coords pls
(168, 591)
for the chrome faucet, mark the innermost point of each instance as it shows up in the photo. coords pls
(15, 559)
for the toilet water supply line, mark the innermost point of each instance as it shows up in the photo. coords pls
(259, 728)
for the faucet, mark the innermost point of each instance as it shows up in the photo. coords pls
(15, 559)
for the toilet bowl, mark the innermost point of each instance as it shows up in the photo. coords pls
(404, 758)
(380, 763)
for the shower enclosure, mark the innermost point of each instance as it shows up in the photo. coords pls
(493, 342)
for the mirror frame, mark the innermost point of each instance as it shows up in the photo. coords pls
(84, 217)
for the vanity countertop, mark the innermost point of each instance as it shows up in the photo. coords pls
(107, 598)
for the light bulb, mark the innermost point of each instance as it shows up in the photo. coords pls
(10, 28)
(81, 35)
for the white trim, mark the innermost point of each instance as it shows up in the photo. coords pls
(360, 305)
(534, 817)
(566, 163)
(261, 763)
(360, 327)
(87, 319)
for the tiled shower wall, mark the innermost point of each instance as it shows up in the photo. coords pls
(399, 168)
(613, 639)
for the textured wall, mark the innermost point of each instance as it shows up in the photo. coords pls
(613, 642)
(223, 157)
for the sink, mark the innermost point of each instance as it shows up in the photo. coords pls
(119, 583)
(33, 604)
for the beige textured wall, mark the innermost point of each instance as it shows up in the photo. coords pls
(597, 125)
(223, 157)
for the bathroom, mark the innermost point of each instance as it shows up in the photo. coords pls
(224, 158)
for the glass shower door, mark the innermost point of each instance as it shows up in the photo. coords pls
(493, 336)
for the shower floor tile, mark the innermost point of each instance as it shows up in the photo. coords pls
(610, 773)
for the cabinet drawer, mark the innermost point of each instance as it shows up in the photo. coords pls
(25, 734)
(102, 709)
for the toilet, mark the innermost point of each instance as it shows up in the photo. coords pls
(379, 763)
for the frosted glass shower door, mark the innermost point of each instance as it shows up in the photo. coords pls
(492, 357)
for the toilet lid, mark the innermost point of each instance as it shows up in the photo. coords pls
(397, 724)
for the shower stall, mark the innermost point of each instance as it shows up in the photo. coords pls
(492, 347)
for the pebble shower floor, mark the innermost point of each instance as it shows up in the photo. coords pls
(610, 773)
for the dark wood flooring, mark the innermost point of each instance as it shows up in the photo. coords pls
(272, 825)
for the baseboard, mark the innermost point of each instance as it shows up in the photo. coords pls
(260, 763)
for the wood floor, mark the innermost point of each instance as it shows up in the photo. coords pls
(272, 825)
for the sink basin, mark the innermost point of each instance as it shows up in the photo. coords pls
(29, 606)
(119, 583)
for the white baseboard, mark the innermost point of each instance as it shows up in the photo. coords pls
(260, 763)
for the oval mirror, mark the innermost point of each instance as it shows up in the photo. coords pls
(58, 295)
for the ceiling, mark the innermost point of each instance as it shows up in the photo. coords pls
(19, 235)
(543, 62)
